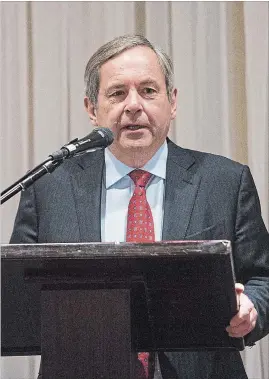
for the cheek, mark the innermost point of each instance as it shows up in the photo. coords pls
(160, 110)
(161, 117)
(109, 115)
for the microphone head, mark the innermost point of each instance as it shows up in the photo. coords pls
(106, 134)
(99, 138)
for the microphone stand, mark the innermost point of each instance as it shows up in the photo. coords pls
(47, 166)
(98, 139)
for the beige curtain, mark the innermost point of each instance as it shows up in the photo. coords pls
(220, 52)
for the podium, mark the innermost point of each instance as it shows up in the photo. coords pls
(89, 308)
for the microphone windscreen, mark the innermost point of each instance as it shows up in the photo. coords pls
(106, 134)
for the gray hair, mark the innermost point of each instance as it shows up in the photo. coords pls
(112, 49)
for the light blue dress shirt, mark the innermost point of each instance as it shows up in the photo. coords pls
(118, 189)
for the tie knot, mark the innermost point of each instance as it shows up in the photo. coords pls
(140, 177)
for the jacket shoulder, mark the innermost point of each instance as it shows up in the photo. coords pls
(205, 161)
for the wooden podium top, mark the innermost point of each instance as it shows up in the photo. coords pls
(117, 249)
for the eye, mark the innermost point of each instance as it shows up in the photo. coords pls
(117, 93)
(149, 91)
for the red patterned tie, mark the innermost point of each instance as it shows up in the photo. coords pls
(140, 228)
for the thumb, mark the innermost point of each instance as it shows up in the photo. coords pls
(239, 289)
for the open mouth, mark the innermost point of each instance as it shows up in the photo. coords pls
(134, 127)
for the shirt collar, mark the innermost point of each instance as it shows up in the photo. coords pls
(116, 170)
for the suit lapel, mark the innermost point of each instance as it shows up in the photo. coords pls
(181, 187)
(87, 187)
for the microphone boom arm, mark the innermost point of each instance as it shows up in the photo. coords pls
(99, 138)
(28, 179)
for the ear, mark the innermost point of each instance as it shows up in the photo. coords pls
(91, 110)
(173, 104)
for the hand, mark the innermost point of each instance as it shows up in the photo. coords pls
(245, 320)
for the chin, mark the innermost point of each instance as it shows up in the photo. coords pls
(137, 143)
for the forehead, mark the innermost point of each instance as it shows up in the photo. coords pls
(137, 63)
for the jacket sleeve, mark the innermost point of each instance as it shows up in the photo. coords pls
(251, 254)
(25, 228)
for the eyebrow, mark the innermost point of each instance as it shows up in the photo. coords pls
(115, 86)
(149, 82)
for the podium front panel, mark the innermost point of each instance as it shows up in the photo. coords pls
(182, 292)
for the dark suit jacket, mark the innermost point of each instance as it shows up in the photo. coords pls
(206, 197)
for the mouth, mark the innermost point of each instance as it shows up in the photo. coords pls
(134, 127)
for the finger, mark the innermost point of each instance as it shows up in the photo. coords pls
(239, 289)
(241, 332)
(250, 320)
(253, 315)
(238, 329)
(241, 317)
(246, 307)
(244, 328)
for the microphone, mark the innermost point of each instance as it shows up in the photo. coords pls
(98, 139)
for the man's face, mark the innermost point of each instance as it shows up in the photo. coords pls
(133, 102)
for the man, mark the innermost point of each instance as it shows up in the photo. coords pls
(191, 195)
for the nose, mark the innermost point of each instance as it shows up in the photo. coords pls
(133, 102)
